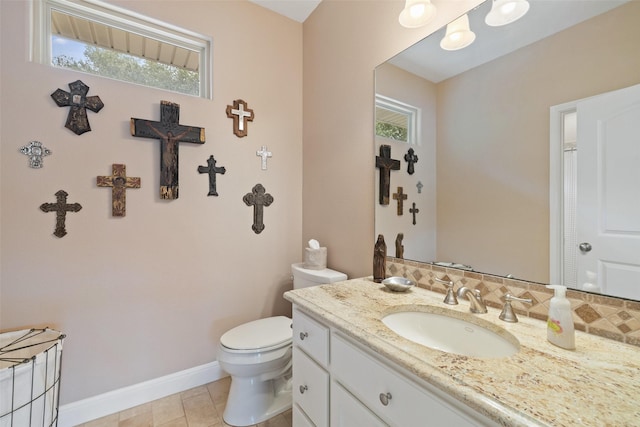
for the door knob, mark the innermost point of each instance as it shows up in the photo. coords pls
(585, 247)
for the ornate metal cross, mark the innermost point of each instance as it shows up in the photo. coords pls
(259, 199)
(78, 100)
(212, 170)
(400, 197)
(119, 182)
(419, 185)
(170, 133)
(36, 151)
(61, 207)
(240, 115)
(411, 158)
(265, 155)
(414, 211)
(386, 164)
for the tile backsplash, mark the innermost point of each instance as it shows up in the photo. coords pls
(608, 317)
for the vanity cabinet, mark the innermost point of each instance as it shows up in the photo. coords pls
(338, 382)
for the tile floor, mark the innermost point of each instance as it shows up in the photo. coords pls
(199, 407)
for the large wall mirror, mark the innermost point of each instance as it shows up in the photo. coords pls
(494, 128)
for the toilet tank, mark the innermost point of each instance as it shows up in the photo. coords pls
(304, 277)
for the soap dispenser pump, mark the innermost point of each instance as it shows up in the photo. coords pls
(560, 329)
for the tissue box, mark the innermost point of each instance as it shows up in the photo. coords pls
(315, 259)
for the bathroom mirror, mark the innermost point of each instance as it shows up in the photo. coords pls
(491, 122)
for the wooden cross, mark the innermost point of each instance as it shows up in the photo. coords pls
(170, 133)
(240, 115)
(386, 164)
(265, 155)
(414, 211)
(212, 170)
(258, 199)
(119, 182)
(412, 159)
(400, 197)
(36, 151)
(61, 207)
(78, 100)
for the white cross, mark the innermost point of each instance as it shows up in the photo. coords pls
(264, 154)
(241, 115)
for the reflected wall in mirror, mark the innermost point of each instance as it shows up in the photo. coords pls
(485, 133)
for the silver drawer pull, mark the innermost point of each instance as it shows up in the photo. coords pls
(303, 335)
(385, 398)
(303, 388)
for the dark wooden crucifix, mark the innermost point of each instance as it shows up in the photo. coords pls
(259, 199)
(60, 207)
(119, 182)
(386, 164)
(170, 133)
(414, 211)
(400, 197)
(240, 115)
(212, 170)
(411, 158)
(78, 100)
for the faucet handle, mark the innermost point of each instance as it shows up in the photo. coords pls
(507, 314)
(450, 298)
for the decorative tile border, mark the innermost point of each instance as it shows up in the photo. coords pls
(609, 317)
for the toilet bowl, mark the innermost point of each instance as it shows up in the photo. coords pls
(257, 356)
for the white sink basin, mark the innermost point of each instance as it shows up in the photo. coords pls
(452, 335)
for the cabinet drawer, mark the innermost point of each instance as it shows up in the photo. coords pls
(299, 418)
(347, 411)
(310, 388)
(394, 398)
(311, 336)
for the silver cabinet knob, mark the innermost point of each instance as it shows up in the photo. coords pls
(585, 247)
(303, 335)
(303, 388)
(385, 398)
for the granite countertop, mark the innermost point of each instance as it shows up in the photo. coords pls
(598, 384)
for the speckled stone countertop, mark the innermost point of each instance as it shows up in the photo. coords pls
(598, 384)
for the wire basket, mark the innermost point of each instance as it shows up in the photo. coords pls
(30, 363)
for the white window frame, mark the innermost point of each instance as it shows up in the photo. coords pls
(413, 116)
(117, 17)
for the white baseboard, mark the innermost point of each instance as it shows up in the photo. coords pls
(79, 412)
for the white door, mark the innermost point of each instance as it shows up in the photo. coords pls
(608, 201)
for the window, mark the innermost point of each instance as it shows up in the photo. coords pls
(397, 120)
(101, 39)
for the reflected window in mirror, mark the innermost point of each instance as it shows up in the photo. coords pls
(397, 120)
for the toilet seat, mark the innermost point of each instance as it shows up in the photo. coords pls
(259, 335)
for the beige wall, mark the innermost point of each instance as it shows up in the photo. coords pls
(493, 140)
(343, 43)
(150, 294)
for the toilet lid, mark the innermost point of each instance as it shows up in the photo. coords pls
(259, 333)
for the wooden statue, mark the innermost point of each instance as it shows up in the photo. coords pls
(60, 207)
(240, 115)
(170, 133)
(212, 170)
(258, 198)
(399, 246)
(386, 164)
(119, 182)
(78, 100)
(379, 259)
(400, 197)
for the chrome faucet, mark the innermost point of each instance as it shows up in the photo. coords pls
(476, 303)
(450, 297)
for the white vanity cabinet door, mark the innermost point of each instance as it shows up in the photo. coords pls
(310, 388)
(299, 418)
(311, 336)
(394, 398)
(347, 411)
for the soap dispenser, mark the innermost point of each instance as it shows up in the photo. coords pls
(560, 330)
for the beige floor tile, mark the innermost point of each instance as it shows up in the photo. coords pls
(179, 422)
(194, 392)
(219, 390)
(135, 411)
(200, 411)
(143, 419)
(277, 421)
(108, 421)
(167, 409)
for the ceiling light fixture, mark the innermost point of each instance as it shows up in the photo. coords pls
(505, 12)
(417, 13)
(458, 34)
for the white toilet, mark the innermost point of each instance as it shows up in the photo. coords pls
(257, 356)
